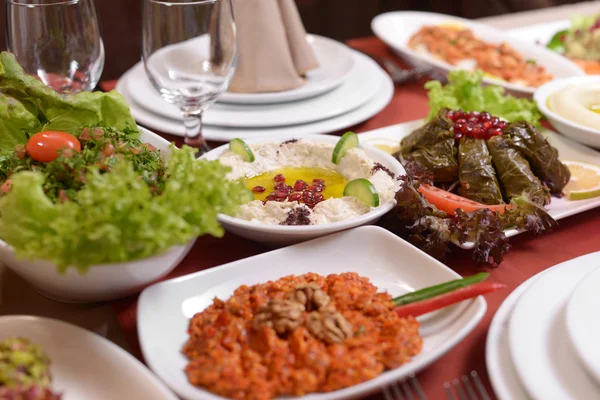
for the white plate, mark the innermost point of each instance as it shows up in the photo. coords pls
(335, 63)
(575, 131)
(282, 235)
(164, 309)
(370, 108)
(396, 28)
(539, 34)
(567, 149)
(500, 367)
(359, 87)
(583, 324)
(85, 365)
(537, 335)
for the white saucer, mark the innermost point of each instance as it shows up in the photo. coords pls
(583, 324)
(150, 120)
(85, 365)
(537, 335)
(360, 86)
(335, 63)
(500, 367)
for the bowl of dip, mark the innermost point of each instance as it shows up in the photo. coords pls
(572, 105)
(301, 164)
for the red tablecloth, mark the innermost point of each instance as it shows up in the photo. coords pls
(529, 255)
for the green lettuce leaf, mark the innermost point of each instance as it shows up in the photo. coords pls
(465, 91)
(38, 107)
(115, 217)
(582, 21)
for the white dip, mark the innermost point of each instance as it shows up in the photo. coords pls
(303, 153)
(575, 103)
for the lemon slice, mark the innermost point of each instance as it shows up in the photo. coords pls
(585, 181)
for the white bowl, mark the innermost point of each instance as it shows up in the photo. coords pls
(102, 282)
(280, 235)
(396, 28)
(573, 130)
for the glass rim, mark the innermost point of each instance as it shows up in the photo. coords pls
(24, 3)
(181, 2)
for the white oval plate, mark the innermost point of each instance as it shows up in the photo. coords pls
(583, 324)
(396, 28)
(359, 87)
(504, 378)
(282, 235)
(538, 340)
(164, 309)
(85, 365)
(581, 133)
(373, 106)
(335, 63)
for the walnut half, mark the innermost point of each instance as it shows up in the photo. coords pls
(329, 326)
(310, 295)
(281, 315)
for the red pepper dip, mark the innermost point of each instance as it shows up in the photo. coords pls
(298, 335)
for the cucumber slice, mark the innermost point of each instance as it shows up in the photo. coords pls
(239, 147)
(247, 196)
(348, 141)
(363, 190)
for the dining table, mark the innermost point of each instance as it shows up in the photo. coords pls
(529, 254)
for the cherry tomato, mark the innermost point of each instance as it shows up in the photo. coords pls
(44, 146)
(448, 202)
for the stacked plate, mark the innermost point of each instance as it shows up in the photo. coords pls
(346, 89)
(543, 341)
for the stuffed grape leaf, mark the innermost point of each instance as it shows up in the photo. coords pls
(476, 173)
(514, 171)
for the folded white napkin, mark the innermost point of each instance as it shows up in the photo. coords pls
(273, 53)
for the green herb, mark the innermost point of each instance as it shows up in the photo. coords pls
(453, 41)
(531, 61)
(116, 216)
(557, 42)
(437, 290)
(465, 91)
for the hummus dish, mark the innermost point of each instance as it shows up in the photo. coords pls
(578, 103)
(303, 182)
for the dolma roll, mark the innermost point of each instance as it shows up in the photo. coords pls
(542, 157)
(514, 171)
(477, 176)
(433, 147)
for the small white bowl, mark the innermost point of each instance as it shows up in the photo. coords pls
(280, 235)
(102, 282)
(573, 130)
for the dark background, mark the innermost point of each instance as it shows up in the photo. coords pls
(338, 19)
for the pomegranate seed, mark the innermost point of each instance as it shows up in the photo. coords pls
(259, 189)
(315, 188)
(280, 185)
(459, 114)
(485, 116)
(461, 121)
(281, 194)
(295, 197)
(300, 185)
(319, 197)
(478, 131)
(279, 178)
(451, 115)
(457, 136)
(502, 125)
(458, 127)
(494, 120)
(494, 131)
(466, 129)
(473, 120)
(487, 125)
(270, 197)
(322, 181)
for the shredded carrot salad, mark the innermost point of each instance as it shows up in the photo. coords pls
(457, 45)
(298, 335)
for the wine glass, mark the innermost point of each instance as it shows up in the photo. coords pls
(58, 41)
(190, 54)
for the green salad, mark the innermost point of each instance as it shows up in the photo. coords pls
(79, 188)
(465, 91)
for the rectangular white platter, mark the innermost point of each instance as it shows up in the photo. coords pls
(567, 150)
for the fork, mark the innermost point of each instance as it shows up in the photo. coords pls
(468, 393)
(398, 74)
(403, 390)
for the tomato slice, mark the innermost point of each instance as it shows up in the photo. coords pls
(448, 202)
(44, 146)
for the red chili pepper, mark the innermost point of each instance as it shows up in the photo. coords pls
(446, 299)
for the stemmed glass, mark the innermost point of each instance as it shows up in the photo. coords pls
(189, 52)
(58, 41)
